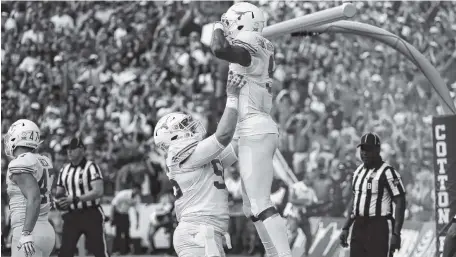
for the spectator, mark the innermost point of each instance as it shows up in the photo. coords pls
(110, 70)
(121, 205)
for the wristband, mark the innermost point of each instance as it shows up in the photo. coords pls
(345, 229)
(397, 234)
(77, 199)
(25, 239)
(232, 102)
(26, 233)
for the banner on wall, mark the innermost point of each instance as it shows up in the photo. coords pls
(444, 136)
(418, 239)
(140, 228)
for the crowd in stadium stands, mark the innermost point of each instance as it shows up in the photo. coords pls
(106, 71)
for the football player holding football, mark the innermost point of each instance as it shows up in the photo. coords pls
(238, 40)
(195, 168)
(28, 185)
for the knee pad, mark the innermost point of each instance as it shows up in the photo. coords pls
(254, 219)
(259, 206)
(269, 212)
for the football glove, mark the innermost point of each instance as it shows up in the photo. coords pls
(26, 244)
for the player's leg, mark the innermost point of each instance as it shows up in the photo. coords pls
(192, 240)
(44, 237)
(261, 230)
(184, 241)
(256, 168)
(94, 232)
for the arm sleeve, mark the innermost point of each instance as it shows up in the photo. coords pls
(228, 156)
(204, 152)
(22, 164)
(95, 172)
(394, 183)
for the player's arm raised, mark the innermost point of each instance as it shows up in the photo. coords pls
(211, 147)
(227, 125)
(222, 48)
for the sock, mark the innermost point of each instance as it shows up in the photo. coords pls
(265, 239)
(277, 231)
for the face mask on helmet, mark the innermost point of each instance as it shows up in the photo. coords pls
(193, 128)
(186, 128)
(8, 145)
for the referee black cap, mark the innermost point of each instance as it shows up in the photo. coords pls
(75, 143)
(369, 139)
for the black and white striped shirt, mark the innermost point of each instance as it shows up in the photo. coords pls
(373, 190)
(76, 179)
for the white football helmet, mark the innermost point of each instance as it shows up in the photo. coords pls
(175, 126)
(22, 133)
(243, 17)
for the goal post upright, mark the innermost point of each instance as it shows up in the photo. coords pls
(332, 21)
(400, 45)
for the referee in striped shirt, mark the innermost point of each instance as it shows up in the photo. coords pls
(79, 190)
(376, 185)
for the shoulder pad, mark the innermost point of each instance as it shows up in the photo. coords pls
(23, 163)
(247, 40)
(247, 37)
(45, 161)
(180, 151)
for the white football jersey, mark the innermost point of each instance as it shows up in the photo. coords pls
(196, 175)
(255, 99)
(39, 166)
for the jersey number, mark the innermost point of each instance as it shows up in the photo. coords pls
(176, 188)
(42, 183)
(271, 67)
(270, 71)
(218, 171)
